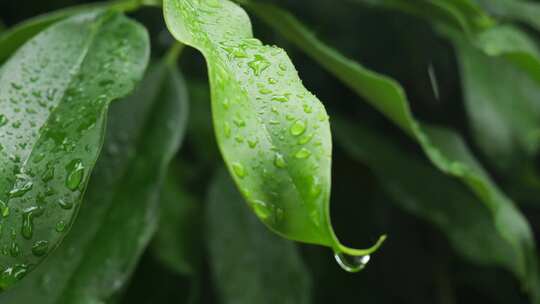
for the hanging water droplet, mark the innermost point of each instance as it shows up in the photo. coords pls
(239, 170)
(75, 174)
(351, 263)
(298, 127)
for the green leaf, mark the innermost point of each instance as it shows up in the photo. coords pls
(120, 212)
(15, 37)
(54, 95)
(459, 14)
(249, 264)
(505, 118)
(492, 38)
(445, 149)
(176, 242)
(272, 132)
(446, 203)
(515, 10)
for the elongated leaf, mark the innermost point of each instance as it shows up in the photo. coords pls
(516, 10)
(445, 149)
(121, 205)
(492, 38)
(15, 37)
(446, 203)
(54, 95)
(505, 118)
(273, 133)
(460, 14)
(250, 264)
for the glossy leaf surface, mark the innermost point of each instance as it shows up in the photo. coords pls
(446, 150)
(250, 264)
(120, 212)
(12, 39)
(54, 95)
(272, 132)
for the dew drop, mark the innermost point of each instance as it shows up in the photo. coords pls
(239, 170)
(351, 263)
(280, 98)
(279, 161)
(40, 248)
(259, 64)
(298, 128)
(305, 139)
(261, 209)
(227, 130)
(67, 205)
(75, 174)
(11, 275)
(252, 143)
(4, 209)
(27, 229)
(60, 226)
(303, 153)
(3, 120)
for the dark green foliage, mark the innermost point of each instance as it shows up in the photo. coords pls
(425, 127)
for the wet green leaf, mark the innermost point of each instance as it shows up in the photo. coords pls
(273, 133)
(13, 38)
(250, 264)
(54, 95)
(120, 212)
(444, 148)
